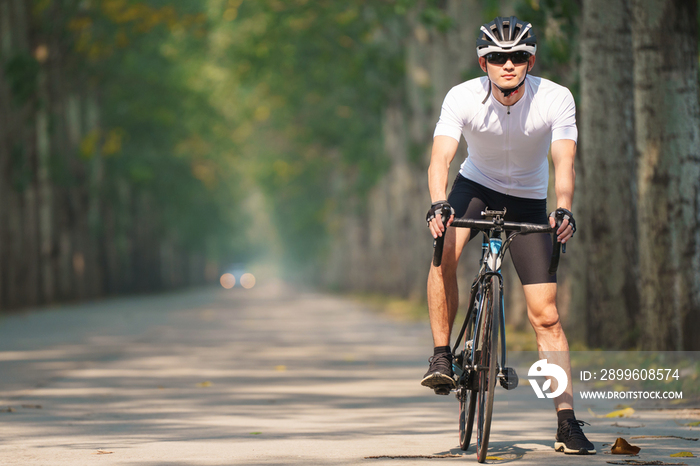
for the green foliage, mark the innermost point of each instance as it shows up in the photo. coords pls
(21, 72)
(433, 15)
(556, 24)
(490, 9)
(313, 82)
(158, 133)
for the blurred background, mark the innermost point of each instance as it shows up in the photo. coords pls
(148, 145)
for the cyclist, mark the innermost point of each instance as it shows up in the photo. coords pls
(509, 119)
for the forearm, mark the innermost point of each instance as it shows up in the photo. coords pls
(564, 182)
(437, 180)
(563, 155)
(444, 149)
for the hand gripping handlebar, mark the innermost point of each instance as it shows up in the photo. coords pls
(438, 243)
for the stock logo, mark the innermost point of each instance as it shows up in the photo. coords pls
(544, 369)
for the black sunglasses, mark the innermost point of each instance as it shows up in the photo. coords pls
(500, 58)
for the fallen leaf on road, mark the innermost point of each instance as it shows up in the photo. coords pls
(103, 452)
(683, 454)
(255, 433)
(622, 447)
(494, 458)
(9, 409)
(204, 384)
(627, 412)
(280, 368)
(693, 424)
(32, 406)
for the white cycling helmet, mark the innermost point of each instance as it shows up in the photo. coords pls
(506, 35)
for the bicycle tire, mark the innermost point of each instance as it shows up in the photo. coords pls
(467, 396)
(467, 407)
(488, 328)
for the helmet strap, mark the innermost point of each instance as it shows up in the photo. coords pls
(488, 93)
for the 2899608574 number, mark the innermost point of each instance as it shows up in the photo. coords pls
(639, 374)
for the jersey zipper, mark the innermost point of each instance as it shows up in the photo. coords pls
(508, 149)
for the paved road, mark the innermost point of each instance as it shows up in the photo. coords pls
(264, 376)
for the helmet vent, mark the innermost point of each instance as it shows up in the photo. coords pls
(506, 34)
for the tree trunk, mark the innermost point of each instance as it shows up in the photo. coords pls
(665, 35)
(607, 182)
(71, 130)
(94, 178)
(6, 49)
(45, 192)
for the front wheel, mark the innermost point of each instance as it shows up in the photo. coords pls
(467, 406)
(487, 364)
(466, 394)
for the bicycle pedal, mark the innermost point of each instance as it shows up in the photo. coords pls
(442, 390)
(508, 379)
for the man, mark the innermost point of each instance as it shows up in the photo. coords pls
(509, 120)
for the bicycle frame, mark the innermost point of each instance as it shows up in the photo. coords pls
(493, 250)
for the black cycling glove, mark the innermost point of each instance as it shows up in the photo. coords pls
(565, 214)
(436, 208)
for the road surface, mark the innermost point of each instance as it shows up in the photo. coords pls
(264, 376)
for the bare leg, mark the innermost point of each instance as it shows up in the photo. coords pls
(443, 295)
(551, 341)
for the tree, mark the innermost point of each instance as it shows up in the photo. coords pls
(607, 180)
(665, 40)
(116, 173)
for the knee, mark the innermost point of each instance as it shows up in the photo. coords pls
(546, 318)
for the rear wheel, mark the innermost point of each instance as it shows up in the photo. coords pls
(487, 362)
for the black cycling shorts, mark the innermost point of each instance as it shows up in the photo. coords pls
(531, 253)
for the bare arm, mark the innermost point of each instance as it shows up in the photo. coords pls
(563, 154)
(444, 150)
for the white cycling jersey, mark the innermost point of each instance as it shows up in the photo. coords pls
(508, 146)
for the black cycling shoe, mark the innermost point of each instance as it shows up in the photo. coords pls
(439, 376)
(571, 440)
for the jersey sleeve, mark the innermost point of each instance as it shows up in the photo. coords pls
(564, 118)
(451, 119)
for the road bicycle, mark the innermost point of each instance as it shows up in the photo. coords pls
(479, 353)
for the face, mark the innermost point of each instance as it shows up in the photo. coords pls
(507, 75)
